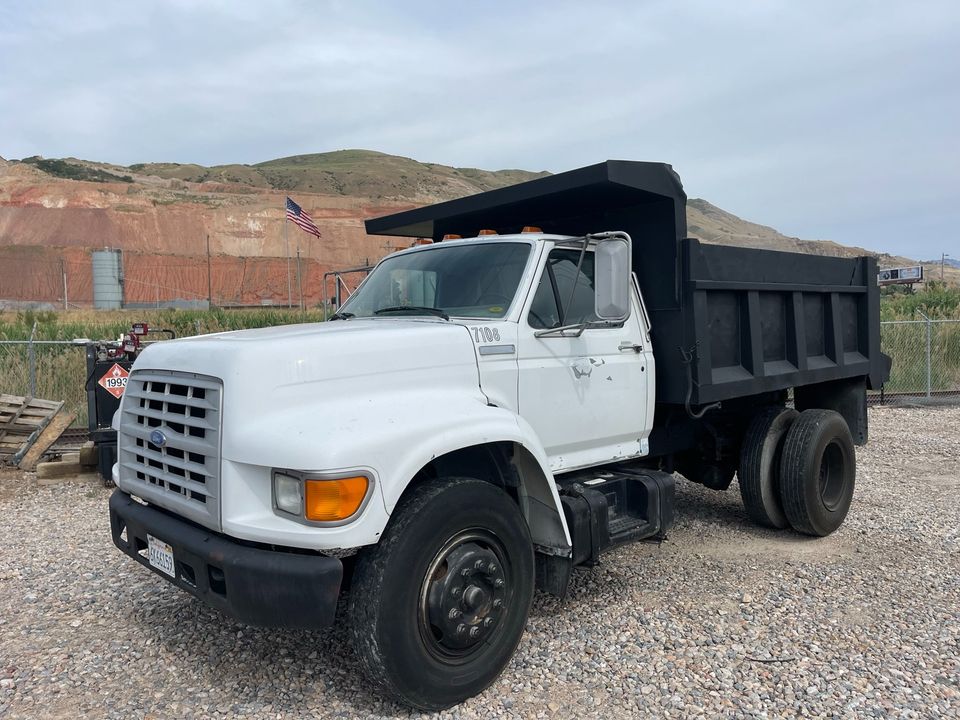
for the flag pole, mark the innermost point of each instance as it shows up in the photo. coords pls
(299, 283)
(286, 251)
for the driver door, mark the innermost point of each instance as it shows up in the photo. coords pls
(586, 396)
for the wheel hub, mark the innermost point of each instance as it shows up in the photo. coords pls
(463, 596)
(831, 481)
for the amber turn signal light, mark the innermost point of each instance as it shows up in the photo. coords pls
(332, 500)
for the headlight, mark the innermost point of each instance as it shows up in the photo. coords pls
(288, 494)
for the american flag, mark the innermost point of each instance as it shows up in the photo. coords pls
(298, 215)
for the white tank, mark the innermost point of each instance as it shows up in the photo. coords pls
(107, 279)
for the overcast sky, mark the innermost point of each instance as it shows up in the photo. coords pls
(836, 120)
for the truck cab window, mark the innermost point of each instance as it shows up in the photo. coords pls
(413, 287)
(476, 280)
(559, 279)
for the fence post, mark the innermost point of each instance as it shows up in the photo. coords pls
(929, 373)
(32, 355)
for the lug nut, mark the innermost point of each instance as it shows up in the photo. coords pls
(491, 568)
(466, 572)
(456, 590)
(461, 629)
(498, 582)
(498, 603)
(454, 613)
(474, 632)
(478, 565)
(487, 622)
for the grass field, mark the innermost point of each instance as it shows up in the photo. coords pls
(58, 372)
(936, 301)
(109, 324)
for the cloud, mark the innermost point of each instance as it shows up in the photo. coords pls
(832, 120)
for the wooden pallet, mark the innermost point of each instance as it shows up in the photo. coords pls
(22, 422)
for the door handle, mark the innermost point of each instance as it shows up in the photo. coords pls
(629, 347)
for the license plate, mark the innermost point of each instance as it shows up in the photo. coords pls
(160, 555)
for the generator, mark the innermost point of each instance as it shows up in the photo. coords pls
(108, 366)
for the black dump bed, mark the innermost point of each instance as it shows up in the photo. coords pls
(753, 320)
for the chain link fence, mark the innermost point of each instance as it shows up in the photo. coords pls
(48, 369)
(926, 357)
(925, 353)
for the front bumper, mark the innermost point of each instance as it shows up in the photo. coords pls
(270, 588)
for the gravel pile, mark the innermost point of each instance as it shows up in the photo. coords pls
(723, 619)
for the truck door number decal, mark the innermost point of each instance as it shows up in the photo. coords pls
(485, 334)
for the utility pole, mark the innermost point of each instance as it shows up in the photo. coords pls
(209, 277)
(943, 257)
(63, 271)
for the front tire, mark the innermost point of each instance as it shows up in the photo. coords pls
(438, 606)
(817, 472)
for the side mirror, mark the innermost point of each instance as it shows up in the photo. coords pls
(612, 279)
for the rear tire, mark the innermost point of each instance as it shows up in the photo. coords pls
(817, 472)
(438, 606)
(759, 471)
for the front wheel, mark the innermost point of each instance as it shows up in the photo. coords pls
(438, 606)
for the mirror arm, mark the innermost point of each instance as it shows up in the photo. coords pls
(608, 235)
(562, 331)
(576, 279)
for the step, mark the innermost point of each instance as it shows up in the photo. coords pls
(608, 508)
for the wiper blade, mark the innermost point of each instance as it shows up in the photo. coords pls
(412, 309)
(342, 316)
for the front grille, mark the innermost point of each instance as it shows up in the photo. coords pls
(169, 442)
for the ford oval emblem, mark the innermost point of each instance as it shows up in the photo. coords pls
(158, 438)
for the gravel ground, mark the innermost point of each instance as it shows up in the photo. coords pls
(723, 619)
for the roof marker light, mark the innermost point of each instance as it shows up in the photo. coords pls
(451, 236)
(531, 229)
(487, 231)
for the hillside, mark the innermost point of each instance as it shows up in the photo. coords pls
(713, 225)
(363, 173)
(54, 212)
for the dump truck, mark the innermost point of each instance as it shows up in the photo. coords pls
(501, 403)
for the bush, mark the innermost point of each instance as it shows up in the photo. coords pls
(936, 300)
(73, 171)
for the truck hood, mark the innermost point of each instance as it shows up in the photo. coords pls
(273, 362)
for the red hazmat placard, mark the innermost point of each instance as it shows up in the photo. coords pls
(114, 380)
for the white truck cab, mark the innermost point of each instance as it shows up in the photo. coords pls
(424, 383)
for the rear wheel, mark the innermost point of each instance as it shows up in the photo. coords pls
(817, 472)
(759, 471)
(438, 607)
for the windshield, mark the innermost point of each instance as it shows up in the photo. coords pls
(474, 281)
